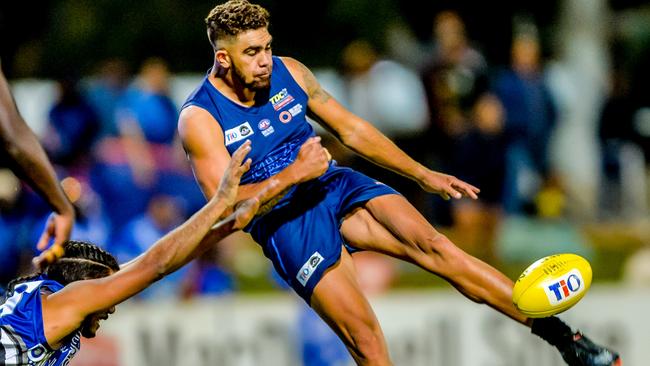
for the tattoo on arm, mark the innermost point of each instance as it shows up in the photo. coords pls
(314, 89)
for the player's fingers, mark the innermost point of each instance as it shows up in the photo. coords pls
(250, 205)
(467, 190)
(240, 153)
(473, 188)
(312, 141)
(49, 256)
(246, 166)
(62, 233)
(329, 156)
(471, 194)
(245, 211)
(241, 169)
(453, 193)
(56, 251)
(44, 240)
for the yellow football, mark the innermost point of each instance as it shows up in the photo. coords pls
(552, 285)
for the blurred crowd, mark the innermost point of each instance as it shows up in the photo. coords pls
(112, 136)
(113, 139)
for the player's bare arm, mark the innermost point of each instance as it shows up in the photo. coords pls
(64, 311)
(203, 141)
(29, 161)
(363, 138)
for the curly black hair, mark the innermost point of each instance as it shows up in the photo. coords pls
(234, 17)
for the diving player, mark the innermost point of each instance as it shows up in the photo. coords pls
(44, 315)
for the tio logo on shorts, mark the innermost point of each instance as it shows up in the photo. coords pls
(308, 268)
(564, 288)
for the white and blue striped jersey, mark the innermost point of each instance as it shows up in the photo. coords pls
(22, 337)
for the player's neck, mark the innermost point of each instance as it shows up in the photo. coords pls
(230, 86)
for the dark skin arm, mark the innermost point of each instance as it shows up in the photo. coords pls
(29, 161)
(364, 139)
(64, 311)
(203, 141)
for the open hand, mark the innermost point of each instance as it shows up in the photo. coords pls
(227, 191)
(447, 186)
(57, 228)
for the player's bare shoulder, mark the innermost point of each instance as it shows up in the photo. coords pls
(192, 115)
(306, 79)
(196, 124)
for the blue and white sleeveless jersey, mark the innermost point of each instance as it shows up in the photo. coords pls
(22, 337)
(300, 233)
(277, 125)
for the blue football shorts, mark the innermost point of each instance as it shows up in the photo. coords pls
(301, 234)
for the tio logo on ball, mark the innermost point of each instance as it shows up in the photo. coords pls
(564, 288)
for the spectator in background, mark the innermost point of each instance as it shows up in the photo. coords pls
(163, 214)
(381, 90)
(454, 79)
(479, 157)
(146, 119)
(104, 90)
(90, 222)
(14, 258)
(623, 163)
(206, 276)
(145, 158)
(530, 119)
(72, 128)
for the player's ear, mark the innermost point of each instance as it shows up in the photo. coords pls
(222, 57)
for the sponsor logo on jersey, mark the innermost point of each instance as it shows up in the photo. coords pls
(281, 99)
(296, 109)
(309, 268)
(564, 287)
(245, 130)
(265, 126)
(287, 116)
(238, 133)
(37, 353)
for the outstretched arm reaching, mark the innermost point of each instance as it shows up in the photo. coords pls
(64, 311)
(364, 139)
(29, 161)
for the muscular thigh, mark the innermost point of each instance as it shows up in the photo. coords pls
(389, 224)
(339, 301)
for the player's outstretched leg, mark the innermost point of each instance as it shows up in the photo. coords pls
(339, 301)
(389, 224)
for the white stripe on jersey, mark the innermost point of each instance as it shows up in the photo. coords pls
(10, 347)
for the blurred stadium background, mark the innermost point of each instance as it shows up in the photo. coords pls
(545, 105)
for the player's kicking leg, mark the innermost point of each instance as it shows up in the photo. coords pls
(338, 299)
(390, 225)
